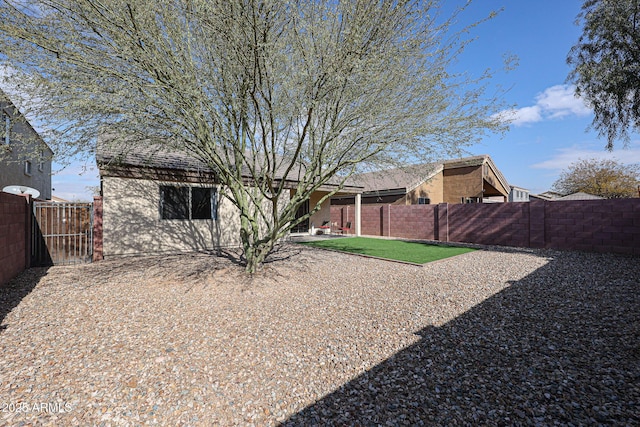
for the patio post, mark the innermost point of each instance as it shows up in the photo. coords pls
(358, 213)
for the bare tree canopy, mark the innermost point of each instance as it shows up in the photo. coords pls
(606, 66)
(601, 177)
(306, 90)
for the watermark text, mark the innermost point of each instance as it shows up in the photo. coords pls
(37, 407)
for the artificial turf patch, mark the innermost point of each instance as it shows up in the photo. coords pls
(398, 250)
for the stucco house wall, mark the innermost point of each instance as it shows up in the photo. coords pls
(132, 223)
(433, 189)
(453, 181)
(462, 182)
(24, 145)
(324, 214)
(491, 178)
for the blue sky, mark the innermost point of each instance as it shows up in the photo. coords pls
(548, 132)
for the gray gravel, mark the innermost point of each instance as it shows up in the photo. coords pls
(493, 337)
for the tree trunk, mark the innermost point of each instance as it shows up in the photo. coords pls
(255, 253)
(257, 257)
(255, 248)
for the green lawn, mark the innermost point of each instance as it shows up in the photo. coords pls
(398, 250)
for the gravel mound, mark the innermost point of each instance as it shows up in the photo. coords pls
(492, 337)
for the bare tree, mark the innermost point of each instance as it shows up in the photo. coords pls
(300, 90)
(602, 177)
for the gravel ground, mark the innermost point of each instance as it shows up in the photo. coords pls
(493, 337)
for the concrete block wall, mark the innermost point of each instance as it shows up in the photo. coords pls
(503, 224)
(594, 225)
(15, 221)
(586, 225)
(412, 221)
(341, 215)
(97, 229)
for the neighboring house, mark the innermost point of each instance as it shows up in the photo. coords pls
(552, 196)
(57, 199)
(25, 159)
(579, 196)
(466, 180)
(160, 202)
(547, 195)
(518, 194)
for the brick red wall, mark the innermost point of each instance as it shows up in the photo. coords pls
(97, 229)
(15, 221)
(588, 225)
(412, 221)
(594, 225)
(504, 224)
(342, 214)
(374, 220)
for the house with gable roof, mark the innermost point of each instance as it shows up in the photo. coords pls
(465, 180)
(157, 201)
(25, 159)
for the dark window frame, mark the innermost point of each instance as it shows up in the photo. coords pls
(6, 128)
(184, 206)
(41, 161)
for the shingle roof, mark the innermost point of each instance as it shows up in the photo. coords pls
(580, 196)
(404, 179)
(407, 178)
(154, 156)
(148, 156)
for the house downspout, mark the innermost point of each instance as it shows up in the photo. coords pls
(358, 214)
(389, 220)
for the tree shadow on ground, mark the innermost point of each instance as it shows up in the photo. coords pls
(560, 346)
(16, 289)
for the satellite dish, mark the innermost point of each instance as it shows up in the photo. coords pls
(21, 189)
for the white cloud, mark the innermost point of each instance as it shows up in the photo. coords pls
(563, 157)
(561, 101)
(522, 116)
(554, 103)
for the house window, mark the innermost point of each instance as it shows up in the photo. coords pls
(174, 202)
(27, 167)
(201, 203)
(424, 200)
(41, 161)
(6, 128)
(187, 202)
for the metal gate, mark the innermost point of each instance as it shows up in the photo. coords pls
(61, 233)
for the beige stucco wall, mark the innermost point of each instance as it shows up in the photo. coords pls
(324, 214)
(132, 224)
(462, 182)
(432, 189)
(491, 177)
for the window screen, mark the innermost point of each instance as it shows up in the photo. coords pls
(201, 203)
(174, 202)
(187, 202)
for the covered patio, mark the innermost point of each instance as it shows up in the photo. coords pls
(319, 223)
